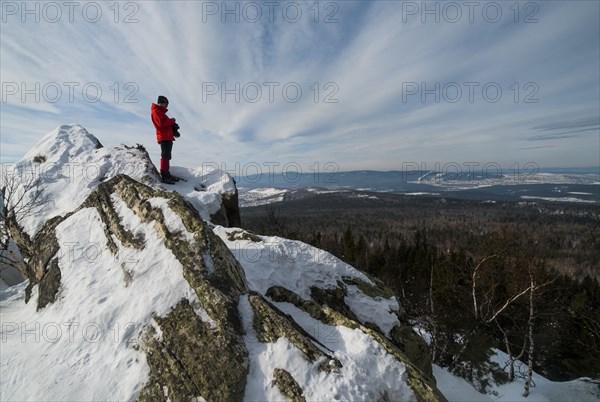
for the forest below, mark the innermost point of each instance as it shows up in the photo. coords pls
(522, 277)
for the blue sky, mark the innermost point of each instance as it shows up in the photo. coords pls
(383, 83)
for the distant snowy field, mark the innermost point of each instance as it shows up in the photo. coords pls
(261, 196)
(560, 185)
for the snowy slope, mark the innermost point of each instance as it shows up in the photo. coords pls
(73, 163)
(368, 372)
(457, 389)
(297, 266)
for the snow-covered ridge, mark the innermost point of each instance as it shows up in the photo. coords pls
(270, 195)
(69, 163)
(261, 196)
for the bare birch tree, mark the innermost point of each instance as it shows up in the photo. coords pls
(487, 311)
(20, 194)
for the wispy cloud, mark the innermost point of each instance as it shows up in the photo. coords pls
(379, 86)
(588, 123)
(567, 129)
(540, 147)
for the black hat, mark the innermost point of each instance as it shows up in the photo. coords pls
(163, 99)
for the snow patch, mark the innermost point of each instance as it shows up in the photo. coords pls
(292, 264)
(172, 220)
(558, 199)
(368, 372)
(376, 310)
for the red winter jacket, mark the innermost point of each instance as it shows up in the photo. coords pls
(162, 123)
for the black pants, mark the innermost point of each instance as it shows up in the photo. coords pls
(165, 149)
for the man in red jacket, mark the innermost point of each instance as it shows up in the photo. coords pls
(164, 136)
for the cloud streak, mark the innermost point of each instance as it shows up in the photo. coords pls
(567, 129)
(378, 85)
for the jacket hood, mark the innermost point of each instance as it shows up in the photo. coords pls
(156, 107)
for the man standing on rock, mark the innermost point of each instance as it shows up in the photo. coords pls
(166, 131)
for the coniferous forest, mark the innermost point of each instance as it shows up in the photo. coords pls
(521, 277)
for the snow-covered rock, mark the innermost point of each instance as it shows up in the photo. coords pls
(133, 294)
(111, 301)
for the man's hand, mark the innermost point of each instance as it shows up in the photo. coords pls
(176, 130)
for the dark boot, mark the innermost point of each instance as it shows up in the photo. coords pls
(173, 178)
(165, 177)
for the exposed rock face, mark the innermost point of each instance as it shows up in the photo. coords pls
(179, 360)
(192, 357)
(49, 285)
(271, 324)
(229, 213)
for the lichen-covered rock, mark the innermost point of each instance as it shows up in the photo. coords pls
(288, 385)
(374, 291)
(243, 235)
(49, 285)
(188, 344)
(333, 298)
(414, 348)
(192, 359)
(39, 250)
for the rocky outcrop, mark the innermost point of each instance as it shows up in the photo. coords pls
(271, 324)
(49, 285)
(229, 213)
(199, 344)
(414, 347)
(179, 359)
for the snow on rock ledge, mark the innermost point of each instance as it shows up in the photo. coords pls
(211, 191)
